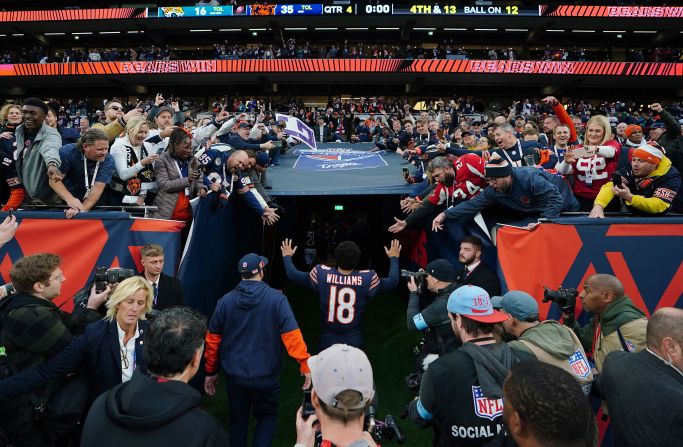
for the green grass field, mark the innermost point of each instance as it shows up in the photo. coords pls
(389, 346)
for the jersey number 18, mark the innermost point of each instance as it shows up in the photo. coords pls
(340, 305)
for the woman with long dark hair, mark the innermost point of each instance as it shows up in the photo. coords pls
(179, 178)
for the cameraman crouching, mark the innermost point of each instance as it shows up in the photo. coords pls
(433, 319)
(342, 389)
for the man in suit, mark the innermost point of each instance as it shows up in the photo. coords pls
(476, 272)
(168, 291)
(644, 389)
(323, 133)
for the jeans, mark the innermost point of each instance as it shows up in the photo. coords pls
(243, 401)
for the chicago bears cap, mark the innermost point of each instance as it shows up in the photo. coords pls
(340, 368)
(474, 303)
(251, 263)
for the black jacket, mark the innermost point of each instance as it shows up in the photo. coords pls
(482, 277)
(147, 413)
(327, 134)
(433, 320)
(170, 292)
(96, 353)
(645, 399)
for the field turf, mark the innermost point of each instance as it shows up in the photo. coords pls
(389, 346)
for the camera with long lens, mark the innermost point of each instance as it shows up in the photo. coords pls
(565, 299)
(419, 276)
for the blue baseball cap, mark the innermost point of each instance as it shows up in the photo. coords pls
(251, 264)
(262, 158)
(474, 303)
(520, 305)
(497, 302)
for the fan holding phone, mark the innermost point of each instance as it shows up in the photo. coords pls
(648, 188)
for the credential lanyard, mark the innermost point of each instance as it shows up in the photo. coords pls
(89, 183)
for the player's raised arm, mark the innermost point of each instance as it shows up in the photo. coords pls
(391, 281)
(309, 280)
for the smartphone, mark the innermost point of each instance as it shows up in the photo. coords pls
(617, 180)
(306, 405)
(580, 152)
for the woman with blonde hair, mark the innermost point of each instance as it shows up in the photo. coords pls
(134, 178)
(106, 354)
(11, 117)
(592, 164)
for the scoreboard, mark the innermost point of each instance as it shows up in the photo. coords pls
(360, 8)
(428, 8)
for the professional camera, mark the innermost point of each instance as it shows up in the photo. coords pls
(419, 278)
(565, 298)
(382, 431)
(104, 276)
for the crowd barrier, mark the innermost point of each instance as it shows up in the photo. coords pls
(93, 239)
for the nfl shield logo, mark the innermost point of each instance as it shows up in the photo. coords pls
(579, 365)
(484, 407)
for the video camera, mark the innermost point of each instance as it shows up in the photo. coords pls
(565, 299)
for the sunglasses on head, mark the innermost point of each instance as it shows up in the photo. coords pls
(117, 108)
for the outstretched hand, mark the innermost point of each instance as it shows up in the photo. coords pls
(394, 250)
(437, 223)
(398, 226)
(287, 249)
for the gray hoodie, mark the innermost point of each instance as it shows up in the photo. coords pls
(32, 162)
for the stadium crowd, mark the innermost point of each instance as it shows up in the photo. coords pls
(535, 159)
(291, 49)
(141, 154)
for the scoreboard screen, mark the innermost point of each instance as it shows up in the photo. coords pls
(285, 10)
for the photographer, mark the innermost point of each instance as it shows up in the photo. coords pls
(433, 319)
(461, 392)
(102, 360)
(342, 389)
(617, 324)
(549, 341)
(33, 330)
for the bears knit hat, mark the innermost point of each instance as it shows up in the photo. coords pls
(632, 128)
(520, 305)
(474, 303)
(340, 368)
(442, 270)
(650, 151)
(251, 264)
(497, 166)
(35, 102)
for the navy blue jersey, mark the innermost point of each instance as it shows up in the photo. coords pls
(342, 298)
